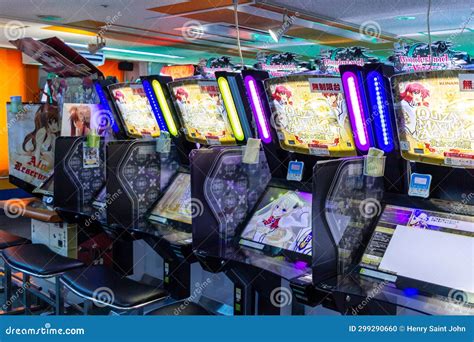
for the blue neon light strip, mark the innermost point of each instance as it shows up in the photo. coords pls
(105, 105)
(155, 107)
(380, 111)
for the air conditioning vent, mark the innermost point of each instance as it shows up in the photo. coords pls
(97, 59)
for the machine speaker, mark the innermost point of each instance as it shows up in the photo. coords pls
(125, 66)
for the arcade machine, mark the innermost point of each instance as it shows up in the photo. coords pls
(196, 115)
(413, 252)
(270, 239)
(133, 167)
(35, 141)
(80, 174)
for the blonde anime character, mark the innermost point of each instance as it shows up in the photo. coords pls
(276, 224)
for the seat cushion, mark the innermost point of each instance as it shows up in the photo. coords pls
(9, 240)
(104, 285)
(38, 260)
(182, 308)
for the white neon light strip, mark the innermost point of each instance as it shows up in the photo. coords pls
(356, 111)
(381, 111)
(258, 109)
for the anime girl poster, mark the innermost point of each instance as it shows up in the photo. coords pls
(78, 119)
(283, 220)
(31, 136)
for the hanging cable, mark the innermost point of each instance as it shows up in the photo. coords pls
(236, 17)
(429, 33)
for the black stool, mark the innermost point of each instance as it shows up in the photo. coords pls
(9, 240)
(37, 260)
(105, 287)
(181, 308)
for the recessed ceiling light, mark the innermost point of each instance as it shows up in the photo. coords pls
(49, 17)
(406, 17)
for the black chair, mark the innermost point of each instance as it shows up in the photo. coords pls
(106, 288)
(181, 308)
(9, 240)
(37, 260)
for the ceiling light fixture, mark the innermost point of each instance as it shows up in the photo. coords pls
(405, 17)
(285, 26)
(142, 53)
(100, 44)
(49, 17)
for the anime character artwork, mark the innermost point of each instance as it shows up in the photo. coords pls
(413, 99)
(310, 115)
(435, 117)
(78, 122)
(419, 219)
(284, 222)
(135, 110)
(31, 142)
(202, 112)
(80, 119)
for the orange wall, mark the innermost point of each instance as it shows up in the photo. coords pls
(19, 79)
(110, 68)
(15, 79)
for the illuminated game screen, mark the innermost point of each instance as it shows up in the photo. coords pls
(309, 114)
(435, 116)
(32, 132)
(135, 110)
(201, 109)
(429, 246)
(46, 188)
(176, 202)
(282, 220)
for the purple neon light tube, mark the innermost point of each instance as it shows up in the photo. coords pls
(356, 110)
(258, 110)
